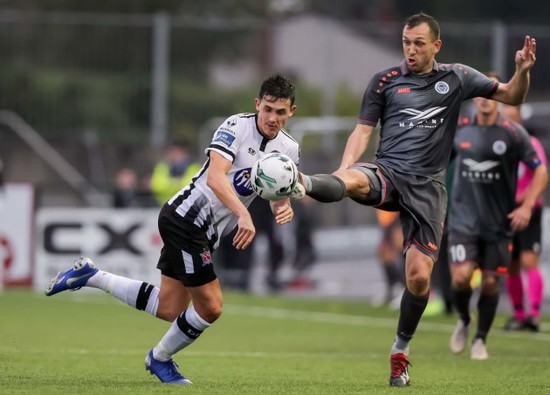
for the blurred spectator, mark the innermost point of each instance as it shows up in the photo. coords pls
(441, 298)
(238, 263)
(526, 248)
(265, 225)
(125, 193)
(390, 254)
(129, 192)
(173, 172)
(305, 254)
(1, 183)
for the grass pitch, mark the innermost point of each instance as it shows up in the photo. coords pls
(90, 343)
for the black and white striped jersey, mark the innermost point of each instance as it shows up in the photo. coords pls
(239, 140)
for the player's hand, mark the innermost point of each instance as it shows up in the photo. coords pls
(245, 233)
(519, 218)
(525, 57)
(282, 211)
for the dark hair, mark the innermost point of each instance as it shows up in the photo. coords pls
(420, 18)
(278, 87)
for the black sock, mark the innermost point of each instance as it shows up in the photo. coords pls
(412, 308)
(462, 303)
(487, 309)
(325, 188)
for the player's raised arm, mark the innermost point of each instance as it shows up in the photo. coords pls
(514, 91)
(356, 145)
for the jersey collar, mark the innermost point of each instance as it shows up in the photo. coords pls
(405, 67)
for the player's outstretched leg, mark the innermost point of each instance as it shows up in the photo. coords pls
(167, 371)
(72, 279)
(324, 188)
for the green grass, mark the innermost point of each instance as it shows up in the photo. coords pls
(89, 343)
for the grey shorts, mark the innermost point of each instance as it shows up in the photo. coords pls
(491, 254)
(529, 239)
(421, 202)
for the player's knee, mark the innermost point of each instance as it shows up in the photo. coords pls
(418, 283)
(210, 312)
(490, 284)
(461, 275)
(355, 180)
(363, 185)
(529, 260)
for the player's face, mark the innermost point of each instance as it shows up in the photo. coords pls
(419, 48)
(273, 114)
(486, 107)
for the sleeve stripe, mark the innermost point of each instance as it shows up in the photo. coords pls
(368, 122)
(222, 149)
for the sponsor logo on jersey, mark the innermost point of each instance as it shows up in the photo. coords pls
(224, 138)
(427, 119)
(432, 246)
(499, 147)
(251, 151)
(241, 182)
(231, 122)
(481, 172)
(442, 87)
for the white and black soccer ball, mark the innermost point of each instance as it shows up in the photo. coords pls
(274, 176)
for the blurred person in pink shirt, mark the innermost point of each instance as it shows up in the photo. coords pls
(526, 250)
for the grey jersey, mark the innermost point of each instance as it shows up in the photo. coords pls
(238, 140)
(419, 113)
(485, 177)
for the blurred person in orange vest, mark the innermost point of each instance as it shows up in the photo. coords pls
(390, 255)
(172, 172)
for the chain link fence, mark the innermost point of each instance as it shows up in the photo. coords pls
(109, 90)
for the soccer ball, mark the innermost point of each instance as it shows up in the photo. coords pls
(274, 176)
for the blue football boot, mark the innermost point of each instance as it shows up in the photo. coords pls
(166, 372)
(72, 279)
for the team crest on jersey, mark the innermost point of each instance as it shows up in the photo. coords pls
(224, 138)
(206, 257)
(442, 87)
(499, 147)
(241, 182)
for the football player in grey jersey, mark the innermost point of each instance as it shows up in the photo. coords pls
(417, 104)
(489, 148)
(192, 223)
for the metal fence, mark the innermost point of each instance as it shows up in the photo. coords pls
(116, 87)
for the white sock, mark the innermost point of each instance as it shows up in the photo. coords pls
(400, 346)
(175, 340)
(124, 289)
